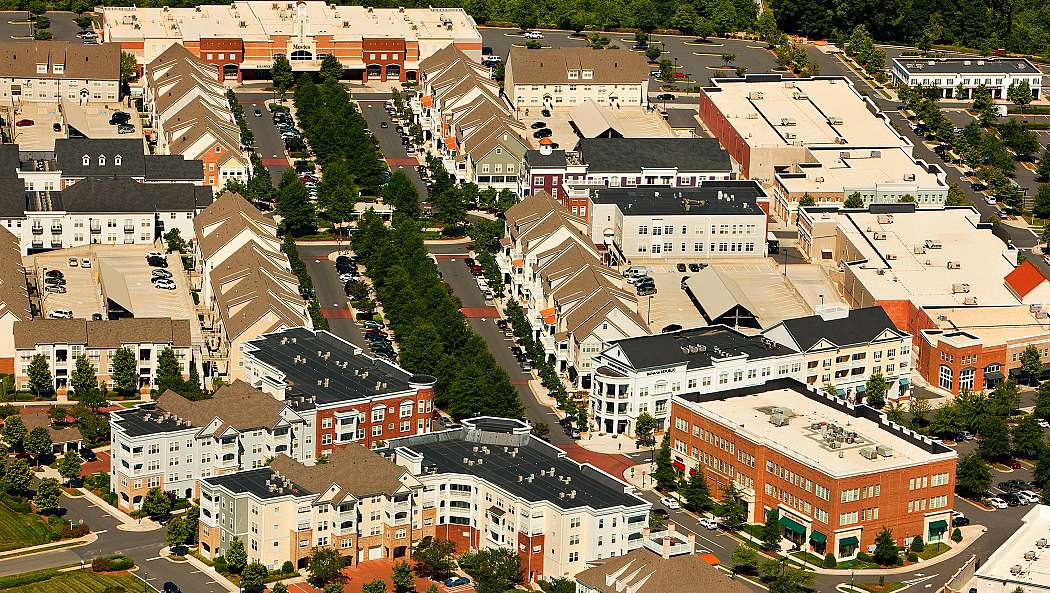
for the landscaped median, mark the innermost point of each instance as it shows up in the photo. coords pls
(73, 581)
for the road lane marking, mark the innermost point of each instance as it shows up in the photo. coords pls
(153, 558)
(100, 532)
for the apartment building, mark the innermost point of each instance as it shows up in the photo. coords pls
(958, 78)
(358, 502)
(623, 162)
(247, 285)
(174, 442)
(566, 77)
(837, 473)
(59, 71)
(14, 297)
(842, 348)
(62, 341)
(243, 38)
(718, 219)
(353, 397)
(494, 485)
(642, 374)
(191, 115)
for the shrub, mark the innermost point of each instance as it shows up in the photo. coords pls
(956, 535)
(220, 565)
(101, 564)
(19, 580)
(913, 557)
(79, 530)
(829, 561)
(287, 567)
(121, 562)
(863, 557)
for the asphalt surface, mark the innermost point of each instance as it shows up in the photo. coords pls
(374, 112)
(268, 142)
(329, 291)
(143, 547)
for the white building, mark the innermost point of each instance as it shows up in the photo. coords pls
(566, 77)
(957, 78)
(1022, 562)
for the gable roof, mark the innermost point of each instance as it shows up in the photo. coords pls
(70, 153)
(552, 65)
(14, 294)
(237, 405)
(232, 213)
(355, 470)
(252, 284)
(1025, 278)
(102, 333)
(612, 155)
(123, 194)
(642, 571)
(861, 326)
(19, 59)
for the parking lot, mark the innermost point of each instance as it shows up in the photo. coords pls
(670, 304)
(14, 26)
(268, 142)
(83, 295)
(770, 294)
(374, 112)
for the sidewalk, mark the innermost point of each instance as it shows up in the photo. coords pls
(211, 572)
(970, 534)
(127, 523)
(49, 547)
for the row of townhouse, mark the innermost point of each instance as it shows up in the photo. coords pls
(191, 116)
(307, 394)
(96, 191)
(466, 117)
(574, 303)
(247, 285)
(489, 484)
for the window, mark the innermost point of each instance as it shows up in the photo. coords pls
(117, 160)
(966, 378)
(101, 160)
(945, 377)
(85, 160)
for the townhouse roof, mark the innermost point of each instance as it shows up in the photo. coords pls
(519, 464)
(593, 311)
(70, 153)
(233, 214)
(442, 58)
(531, 209)
(10, 161)
(687, 155)
(92, 62)
(498, 133)
(552, 66)
(355, 470)
(736, 197)
(563, 260)
(1026, 277)
(854, 327)
(988, 65)
(580, 282)
(695, 347)
(102, 333)
(643, 571)
(254, 284)
(341, 373)
(14, 200)
(40, 419)
(237, 405)
(14, 293)
(123, 194)
(554, 160)
(173, 167)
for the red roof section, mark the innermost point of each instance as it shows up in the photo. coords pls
(1024, 279)
(546, 141)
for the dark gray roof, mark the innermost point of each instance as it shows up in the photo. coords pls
(445, 452)
(257, 482)
(12, 198)
(684, 118)
(280, 350)
(860, 327)
(144, 420)
(661, 350)
(9, 161)
(127, 195)
(919, 65)
(70, 152)
(173, 167)
(535, 158)
(713, 197)
(614, 155)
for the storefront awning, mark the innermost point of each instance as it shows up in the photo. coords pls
(840, 391)
(792, 525)
(818, 538)
(904, 381)
(679, 465)
(938, 526)
(861, 388)
(847, 542)
(994, 376)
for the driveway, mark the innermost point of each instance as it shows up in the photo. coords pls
(268, 142)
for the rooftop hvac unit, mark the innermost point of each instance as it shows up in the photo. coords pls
(918, 250)
(970, 301)
(782, 410)
(884, 450)
(778, 419)
(1040, 543)
(799, 95)
(960, 288)
(885, 219)
(787, 121)
(818, 179)
(835, 121)
(869, 453)
(844, 154)
(789, 136)
(1030, 555)
(909, 176)
(932, 244)
(876, 154)
(1015, 569)
(752, 115)
(879, 237)
(891, 256)
(954, 265)
(966, 62)
(755, 95)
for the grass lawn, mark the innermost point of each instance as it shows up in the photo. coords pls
(932, 550)
(81, 581)
(18, 530)
(875, 588)
(808, 557)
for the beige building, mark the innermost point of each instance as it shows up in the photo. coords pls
(566, 77)
(59, 71)
(14, 297)
(61, 341)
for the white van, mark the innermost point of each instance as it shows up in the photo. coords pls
(636, 272)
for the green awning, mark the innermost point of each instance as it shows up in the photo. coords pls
(840, 391)
(905, 381)
(818, 538)
(938, 526)
(793, 525)
(861, 388)
(847, 542)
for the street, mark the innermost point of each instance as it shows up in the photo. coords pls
(374, 112)
(268, 142)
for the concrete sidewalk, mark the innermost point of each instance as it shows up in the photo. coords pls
(127, 522)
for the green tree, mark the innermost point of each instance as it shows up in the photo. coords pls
(854, 200)
(401, 193)
(1042, 171)
(331, 68)
(70, 465)
(983, 106)
(83, 379)
(324, 566)
(1041, 473)
(281, 74)
(696, 493)
(376, 586)
(665, 474)
(1031, 363)
(806, 200)
(1020, 94)
(333, 588)
(956, 535)
(157, 504)
(298, 215)
(15, 431)
(972, 476)
(728, 58)
(176, 534)
(494, 570)
(791, 580)
(18, 476)
(434, 558)
(169, 373)
(176, 244)
(645, 427)
(653, 53)
(279, 587)
(732, 509)
(39, 373)
(402, 578)
(744, 559)
(1042, 401)
(338, 191)
(47, 494)
(917, 545)
(236, 556)
(1041, 205)
(558, 585)
(895, 413)
(253, 578)
(129, 68)
(875, 390)
(38, 443)
(771, 530)
(1027, 437)
(125, 374)
(995, 439)
(955, 197)
(885, 548)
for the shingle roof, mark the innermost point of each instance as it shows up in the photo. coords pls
(225, 218)
(552, 65)
(173, 167)
(127, 195)
(93, 62)
(614, 155)
(105, 333)
(535, 158)
(9, 161)
(354, 469)
(253, 284)
(13, 202)
(668, 348)
(237, 405)
(860, 327)
(642, 571)
(14, 295)
(70, 153)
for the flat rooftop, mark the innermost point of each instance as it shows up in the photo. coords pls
(919, 65)
(898, 265)
(1008, 568)
(821, 431)
(259, 20)
(713, 197)
(990, 325)
(696, 347)
(767, 110)
(845, 170)
(258, 482)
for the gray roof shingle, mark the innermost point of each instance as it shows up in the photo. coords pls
(688, 155)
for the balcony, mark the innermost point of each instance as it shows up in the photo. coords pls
(129, 228)
(56, 229)
(95, 230)
(38, 230)
(302, 526)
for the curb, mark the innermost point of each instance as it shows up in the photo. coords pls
(50, 547)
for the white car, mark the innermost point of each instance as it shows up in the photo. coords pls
(164, 283)
(708, 523)
(85, 263)
(997, 503)
(990, 201)
(670, 503)
(533, 35)
(154, 254)
(74, 262)
(1044, 423)
(61, 314)
(956, 515)
(1029, 497)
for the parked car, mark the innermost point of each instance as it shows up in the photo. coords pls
(681, 267)
(544, 133)
(85, 262)
(87, 454)
(1011, 499)
(120, 117)
(696, 267)
(468, 261)
(55, 281)
(1032, 497)
(170, 587)
(636, 280)
(54, 274)
(538, 125)
(670, 503)
(680, 75)
(456, 581)
(61, 314)
(664, 96)
(648, 291)
(125, 129)
(1012, 485)
(708, 523)
(372, 325)
(545, 112)
(636, 271)
(258, 112)
(156, 262)
(55, 289)
(997, 503)
(960, 521)
(533, 35)
(164, 283)
(74, 262)
(56, 127)
(160, 273)
(655, 73)
(1044, 423)
(1012, 463)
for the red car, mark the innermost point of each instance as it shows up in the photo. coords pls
(24, 122)
(476, 270)
(680, 75)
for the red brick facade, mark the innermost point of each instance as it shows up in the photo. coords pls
(728, 137)
(392, 425)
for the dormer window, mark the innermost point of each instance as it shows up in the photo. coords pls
(41, 68)
(101, 160)
(499, 150)
(86, 160)
(588, 74)
(116, 160)
(59, 68)
(574, 74)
